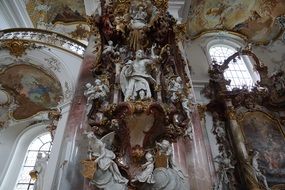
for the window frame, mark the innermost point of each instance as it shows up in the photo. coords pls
(249, 63)
(25, 165)
(18, 153)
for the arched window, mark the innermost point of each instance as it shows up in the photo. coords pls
(240, 70)
(42, 144)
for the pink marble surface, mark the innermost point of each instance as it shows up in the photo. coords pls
(76, 124)
(192, 157)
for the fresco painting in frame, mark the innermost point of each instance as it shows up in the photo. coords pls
(33, 89)
(265, 134)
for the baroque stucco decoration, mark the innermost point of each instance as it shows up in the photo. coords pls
(254, 19)
(251, 118)
(140, 100)
(66, 17)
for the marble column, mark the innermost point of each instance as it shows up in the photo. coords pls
(242, 155)
(197, 158)
(74, 147)
(53, 162)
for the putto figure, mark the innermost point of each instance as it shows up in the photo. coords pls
(146, 175)
(98, 91)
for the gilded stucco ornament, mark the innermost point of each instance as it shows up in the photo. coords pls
(16, 48)
(53, 116)
(201, 110)
(161, 5)
(142, 67)
(180, 31)
(231, 113)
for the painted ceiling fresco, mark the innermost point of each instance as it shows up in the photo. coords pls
(252, 18)
(51, 11)
(65, 16)
(33, 89)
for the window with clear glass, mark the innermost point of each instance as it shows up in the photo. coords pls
(41, 144)
(238, 72)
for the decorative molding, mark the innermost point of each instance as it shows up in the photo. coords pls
(18, 48)
(53, 64)
(44, 37)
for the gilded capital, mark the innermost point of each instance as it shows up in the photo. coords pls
(201, 110)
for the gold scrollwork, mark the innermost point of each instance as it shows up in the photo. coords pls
(180, 31)
(122, 6)
(231, 113)
(89, 168)
(161, 4)
(16, 47)
(278, 187)
(201, 110)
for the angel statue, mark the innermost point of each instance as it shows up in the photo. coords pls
(166, 174)
(107, 175)
(166, 148)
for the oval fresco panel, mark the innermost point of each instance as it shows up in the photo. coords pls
(33, 89)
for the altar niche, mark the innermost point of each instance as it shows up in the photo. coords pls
(139, 105)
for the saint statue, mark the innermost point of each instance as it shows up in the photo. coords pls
(135, 77)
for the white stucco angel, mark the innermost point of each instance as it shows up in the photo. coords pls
(165, 147)
(97, 91)
(39, 169)
(175, 88)
(104, 158)
(135, 76)
(110, 48)
(139, 18)
(147, 174)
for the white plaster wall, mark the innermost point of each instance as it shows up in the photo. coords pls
(18, 139)
(69, 68)
(272, 55)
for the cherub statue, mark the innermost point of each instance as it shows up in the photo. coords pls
(110, 48)
(146, 175)
(139, 18)
(175, 87)
(166, 148)
(98, 91)
(187, 107)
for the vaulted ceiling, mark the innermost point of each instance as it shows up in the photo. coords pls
(256, 19)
